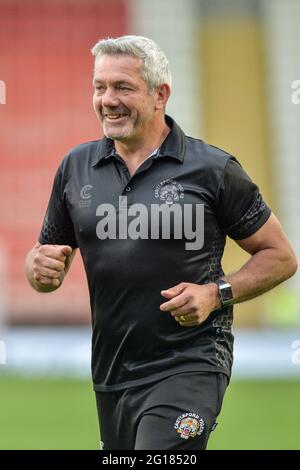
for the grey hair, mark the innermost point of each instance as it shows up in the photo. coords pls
(155, 69)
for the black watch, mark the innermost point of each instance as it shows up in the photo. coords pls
(225, 292)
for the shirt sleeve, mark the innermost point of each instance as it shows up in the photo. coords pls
(241, 208)
(57, 228)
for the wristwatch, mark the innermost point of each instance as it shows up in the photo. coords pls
(225, 292)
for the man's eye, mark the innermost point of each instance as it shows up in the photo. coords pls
(123, 88)
(99, 88)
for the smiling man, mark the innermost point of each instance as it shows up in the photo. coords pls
(131, 112)
(150, 209)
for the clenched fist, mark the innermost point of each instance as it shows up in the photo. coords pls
(48, 265)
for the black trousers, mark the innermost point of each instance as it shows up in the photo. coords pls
(178, 412)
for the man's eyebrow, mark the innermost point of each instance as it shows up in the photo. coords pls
(118, 82)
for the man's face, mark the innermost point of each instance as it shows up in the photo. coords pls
(121, 98)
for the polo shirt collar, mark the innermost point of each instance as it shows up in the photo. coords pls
(173, 146)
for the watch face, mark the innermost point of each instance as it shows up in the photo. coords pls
(226, 293)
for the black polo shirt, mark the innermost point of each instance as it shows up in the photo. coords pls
(135, 235)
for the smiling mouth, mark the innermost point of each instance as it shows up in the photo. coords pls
(114, 117)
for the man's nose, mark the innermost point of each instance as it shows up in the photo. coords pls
(109, 98)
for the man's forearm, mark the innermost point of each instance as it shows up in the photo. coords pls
(263, 271)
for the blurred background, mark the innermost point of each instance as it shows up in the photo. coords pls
(235, 66)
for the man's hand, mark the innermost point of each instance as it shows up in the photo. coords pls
(191, 304)
(48, 266)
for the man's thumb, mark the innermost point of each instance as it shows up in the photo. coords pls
(66, 250)
(173, 291)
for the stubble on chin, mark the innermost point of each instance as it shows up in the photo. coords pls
(116, 134)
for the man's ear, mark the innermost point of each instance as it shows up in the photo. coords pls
(163, 92)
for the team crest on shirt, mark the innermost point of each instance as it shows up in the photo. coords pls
(189, 425)
(169, 191)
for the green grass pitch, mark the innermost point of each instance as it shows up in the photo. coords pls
(61, 414)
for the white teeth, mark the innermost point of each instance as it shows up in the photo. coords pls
(115, 116)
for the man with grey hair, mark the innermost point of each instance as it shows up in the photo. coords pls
(161, 304)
